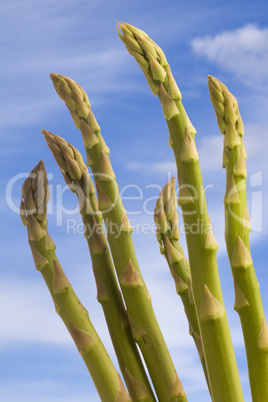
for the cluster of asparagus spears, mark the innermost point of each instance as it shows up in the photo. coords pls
(121, 289)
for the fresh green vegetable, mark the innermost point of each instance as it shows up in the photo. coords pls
(143, 323)
(78, 179)
(248, 303)
(167, 222)
(202, 247)
(35, 196)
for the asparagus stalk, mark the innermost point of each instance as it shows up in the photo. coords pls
(167, 233)
(143, 323)
(248, 303)
(109, 296)
(35, 195)
(202, 247)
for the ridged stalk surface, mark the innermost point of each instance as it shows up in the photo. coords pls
(35, 195)
(248, 303)
(202, 247)
(109, 296)
(143, 323)
(167, 233)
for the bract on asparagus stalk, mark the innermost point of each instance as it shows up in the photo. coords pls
(144, 326)
(202, 247)
(167, 233)
(109, 296)
(35, 195)
(248, 303)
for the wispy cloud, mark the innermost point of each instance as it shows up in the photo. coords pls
(243, 52)
(43, 391)
(153, 168)
(30, 306)
(99, 72)
(210, 150)
(210, 155)
(95, 59)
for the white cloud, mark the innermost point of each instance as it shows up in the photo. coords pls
(153, 168)
(28, 113)
(210, 155)
(100, 73)
(28, 313)
(43, 391)
(256, 142)
(36, 43)
(243, 52)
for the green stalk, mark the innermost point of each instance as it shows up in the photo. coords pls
(143, 323)
(248, 303)
(35, 195)
(109, 296)
(202, 247)
(167, 233)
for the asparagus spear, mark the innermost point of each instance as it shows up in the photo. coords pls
(167, 233)
(35, 195)
(143, 323)
(248, 303)
(78, 179)
(202, 247)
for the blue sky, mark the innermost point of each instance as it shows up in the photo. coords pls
(38, 361)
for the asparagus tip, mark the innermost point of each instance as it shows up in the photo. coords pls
(53, 76)
(57, 81)
(45, 133)
(35, 195)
